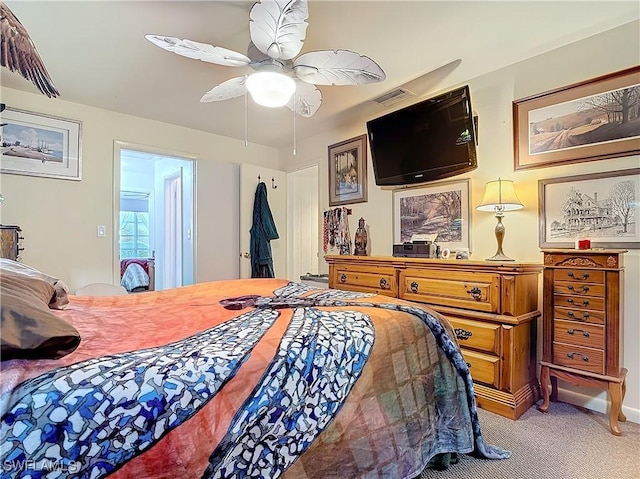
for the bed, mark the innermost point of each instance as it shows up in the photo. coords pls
(138, 274)
(259, 378)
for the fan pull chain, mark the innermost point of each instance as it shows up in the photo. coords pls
(294, 123)
(246, 114)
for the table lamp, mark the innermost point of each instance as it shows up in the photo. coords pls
(499, 196)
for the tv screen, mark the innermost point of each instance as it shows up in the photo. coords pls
(430, 140)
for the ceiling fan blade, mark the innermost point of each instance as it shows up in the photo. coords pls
(199, 51)
(278, 27)
(337, 67)
(307, 99)
(226, 91)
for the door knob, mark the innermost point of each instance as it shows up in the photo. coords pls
(246, 255)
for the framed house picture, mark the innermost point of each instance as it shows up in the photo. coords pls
(440, 210)
(348, 171)
(40, 145)
(601, 207)
(592, 120)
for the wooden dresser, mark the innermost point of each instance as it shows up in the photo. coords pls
(10, 242)
(581, 328)
(493, 307)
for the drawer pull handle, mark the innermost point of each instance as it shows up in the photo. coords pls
(584, 333)
(585, 288)
(475, 293)
(585, 315)
(585, 302)
(570, 274)
(584, 358)
(585, 276)
(462, 334)
(570, 300)
(570, 286)
(383, 283)
(343, 278)
(414, 287)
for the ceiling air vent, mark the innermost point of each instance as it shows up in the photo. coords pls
(394, 96)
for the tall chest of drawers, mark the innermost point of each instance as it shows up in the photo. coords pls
(582, 311)
(492, 306)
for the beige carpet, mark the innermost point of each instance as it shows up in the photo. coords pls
(566, 443)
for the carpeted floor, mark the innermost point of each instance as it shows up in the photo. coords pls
(566, 443)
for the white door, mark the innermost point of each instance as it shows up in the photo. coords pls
(276, 182)
(302, 192)
(173, 231)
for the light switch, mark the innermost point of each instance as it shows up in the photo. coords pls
(102, 231)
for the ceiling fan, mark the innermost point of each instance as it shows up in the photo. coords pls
(277, 29)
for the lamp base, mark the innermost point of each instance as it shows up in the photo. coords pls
(499, 257)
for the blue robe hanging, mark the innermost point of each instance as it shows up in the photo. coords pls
(262, 231)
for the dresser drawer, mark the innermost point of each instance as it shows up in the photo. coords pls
(583, 302)
(371, 280)
(483, 368)
(578, 289)
(475, 335)
(581, 315)
(579, 357)
(581, 275)
(476, 291)
(580, 334)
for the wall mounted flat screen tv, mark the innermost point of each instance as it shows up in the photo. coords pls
(427, 141)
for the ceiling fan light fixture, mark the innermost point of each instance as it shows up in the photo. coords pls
(271, 89)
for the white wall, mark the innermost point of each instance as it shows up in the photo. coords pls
(59, 217)
(492, 96)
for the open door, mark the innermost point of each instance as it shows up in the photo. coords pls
(276, 182)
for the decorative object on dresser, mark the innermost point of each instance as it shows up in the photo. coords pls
(10, 242)
(601, 207)
(591, 120)
(492, 306)
(499, 196)
(581, 327)
(360, 240)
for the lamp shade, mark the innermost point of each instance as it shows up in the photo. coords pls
(499, 195)
(270, 88)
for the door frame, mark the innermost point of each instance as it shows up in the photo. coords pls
(118, 146)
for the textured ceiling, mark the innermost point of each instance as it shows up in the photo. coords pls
(97, 55)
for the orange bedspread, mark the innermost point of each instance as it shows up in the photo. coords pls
(163, 386)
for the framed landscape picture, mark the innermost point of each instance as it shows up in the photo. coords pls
(40, 145)
(348, 171)
(601, 207)
(440, 210)
(593, 120)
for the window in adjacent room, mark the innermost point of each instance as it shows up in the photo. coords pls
(134, 225)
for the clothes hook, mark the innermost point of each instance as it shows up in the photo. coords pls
(273, 183)
(258, 179)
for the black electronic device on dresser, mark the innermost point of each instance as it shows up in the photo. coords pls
(10, 242)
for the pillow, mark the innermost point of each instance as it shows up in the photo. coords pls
(29, 329)
(58, 299)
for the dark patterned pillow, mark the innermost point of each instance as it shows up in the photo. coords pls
(30, 330)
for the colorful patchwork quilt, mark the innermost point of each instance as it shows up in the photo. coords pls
(257, 378)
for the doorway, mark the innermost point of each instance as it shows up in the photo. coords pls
(154, 212)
